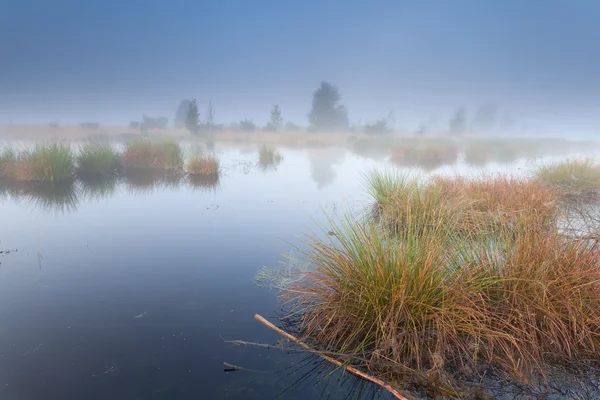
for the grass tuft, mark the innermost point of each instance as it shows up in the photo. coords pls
(45, 163)
(97, 160)
(268, 156)
(576, 177)
(145, 154)
(206, 165)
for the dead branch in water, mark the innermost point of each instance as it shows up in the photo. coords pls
(348, 368)
(232, 368)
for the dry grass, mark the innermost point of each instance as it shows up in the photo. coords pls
(146, 154)
(268, 156)
(207, 165)
(434, 302)
(576, 178)
(44, 163)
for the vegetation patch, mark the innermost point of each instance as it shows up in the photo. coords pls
(456, 279)
(97, 160)
(268, 156)
(43, 163)
(146, 154)
(576, 178)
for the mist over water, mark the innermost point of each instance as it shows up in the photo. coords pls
(129, 283)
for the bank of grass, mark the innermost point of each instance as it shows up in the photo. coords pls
(268, 156)
(44, 163)
(571, 178)
(434, 303)
(146, 154)
(7, 157)
(97, 160)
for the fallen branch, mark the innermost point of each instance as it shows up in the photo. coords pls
(232, 368)
(348, 368)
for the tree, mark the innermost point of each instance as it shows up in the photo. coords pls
(210, 117)
(276, 121)
(326, 112)
(181, 113)
(192, 117)
(458, 123)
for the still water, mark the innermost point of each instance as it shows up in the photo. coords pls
(129, 293)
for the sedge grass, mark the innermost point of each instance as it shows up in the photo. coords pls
(268, 156)
(206, 165)
(574, 178)
(44, 163)
(146, 154)
(437, 304)
(97, 160)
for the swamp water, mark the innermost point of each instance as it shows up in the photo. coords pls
(128, 291)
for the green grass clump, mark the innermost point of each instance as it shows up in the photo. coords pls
(145, 154)
(97, 160)
(571, 178)
(268, 156)
(45, 163)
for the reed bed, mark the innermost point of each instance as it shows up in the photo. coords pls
(465, 278)
(146, 154)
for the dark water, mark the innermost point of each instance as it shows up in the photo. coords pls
(128, 292)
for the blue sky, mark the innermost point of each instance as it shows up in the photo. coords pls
(113, 60)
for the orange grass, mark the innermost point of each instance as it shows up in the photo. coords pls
(435, 297)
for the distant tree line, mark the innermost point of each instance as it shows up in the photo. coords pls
(326, 114)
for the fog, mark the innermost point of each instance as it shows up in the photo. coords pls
(112, 62)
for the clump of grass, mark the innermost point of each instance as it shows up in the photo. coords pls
(436, 308)
(207, 165)
(576, 177)
(145, 154)
(97, 160)
(463, 205)
(45, 163)
(268, 156)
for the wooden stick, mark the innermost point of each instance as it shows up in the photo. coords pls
(348, 368)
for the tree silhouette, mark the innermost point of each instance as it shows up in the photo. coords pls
(276, 121)
(181, 113)
(326, 113)
(192, 117)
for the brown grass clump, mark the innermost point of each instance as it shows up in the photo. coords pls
(474, 279)
(145, 154)
(203, 165)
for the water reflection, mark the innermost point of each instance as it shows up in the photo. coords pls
(322, 162)
(52, 197)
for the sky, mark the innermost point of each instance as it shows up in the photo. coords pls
(110, 61)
